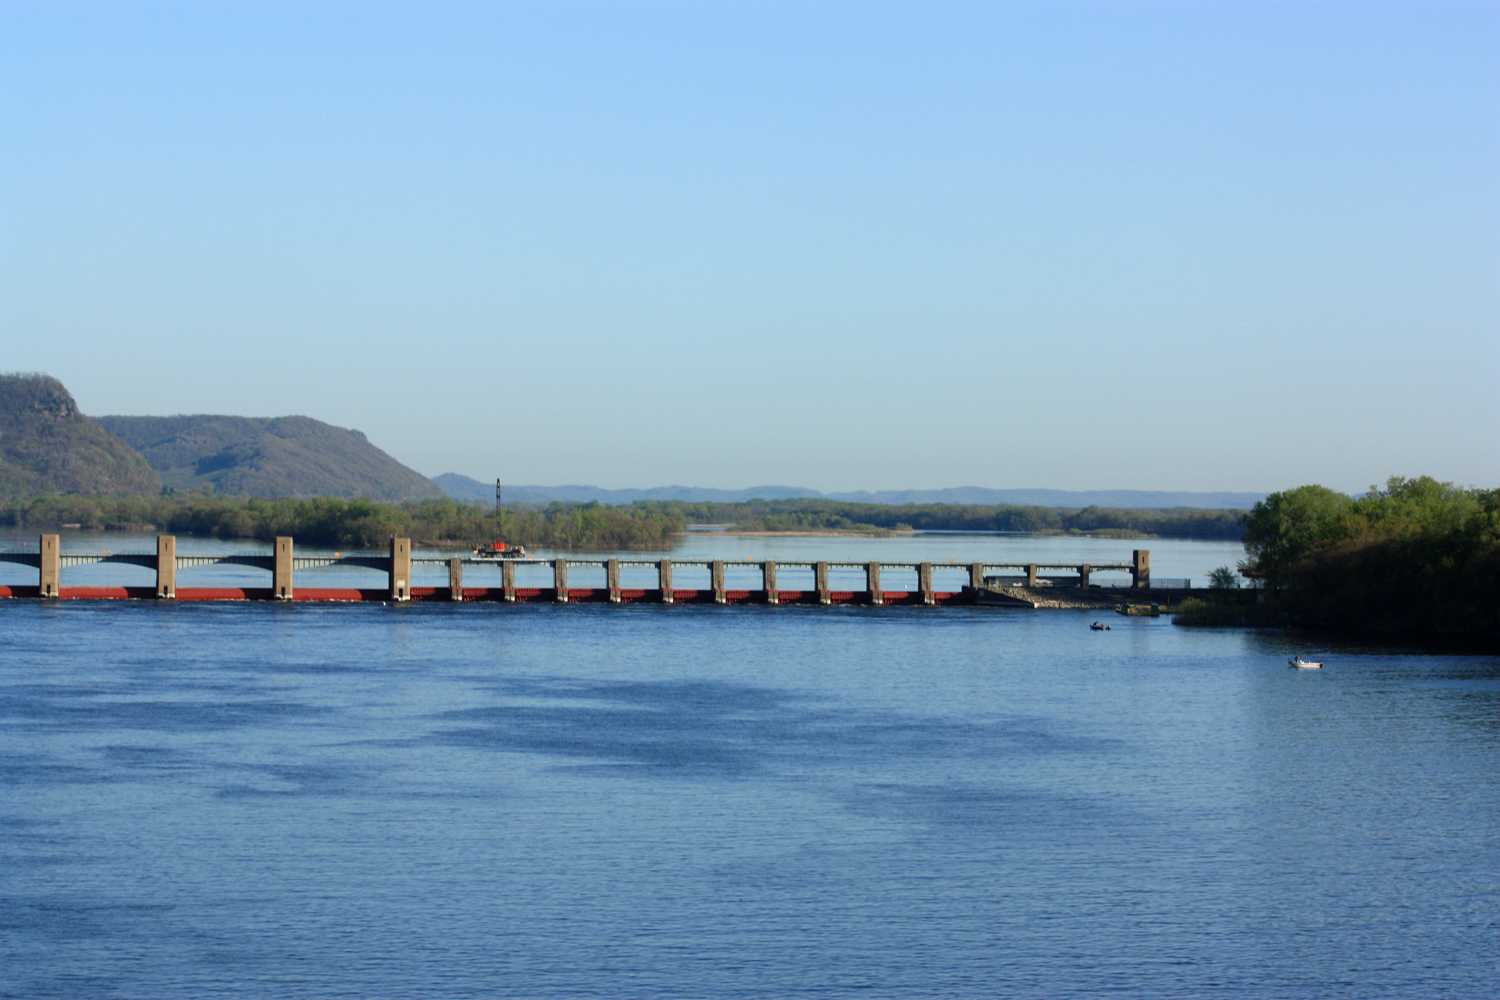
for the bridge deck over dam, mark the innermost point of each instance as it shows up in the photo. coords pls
(978, 584)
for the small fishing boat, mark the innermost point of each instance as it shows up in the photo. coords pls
(1301, 664)
(1096, 627)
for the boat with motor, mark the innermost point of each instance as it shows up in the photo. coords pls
(1301, 664)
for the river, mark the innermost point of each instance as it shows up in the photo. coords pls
(536, 801)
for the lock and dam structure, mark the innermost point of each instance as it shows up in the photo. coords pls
(964, 583)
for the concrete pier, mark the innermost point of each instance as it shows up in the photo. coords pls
(820, 583)
(1140, 570)
(716, 581)
(664, 580)
(455, 579)
(50, 574)
(400, 572)
(872, 582)
(166, 567)
(508, 582)
(768, 582)
(612, 580)
(281, 571)
(560, 580)
(924, 583)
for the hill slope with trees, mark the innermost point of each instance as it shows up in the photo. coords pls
(269, 457)
(47, 445)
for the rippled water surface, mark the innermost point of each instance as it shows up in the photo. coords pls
(479, 800)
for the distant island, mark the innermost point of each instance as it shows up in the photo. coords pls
(818, 516)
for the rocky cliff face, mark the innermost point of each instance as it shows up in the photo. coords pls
(47, 444)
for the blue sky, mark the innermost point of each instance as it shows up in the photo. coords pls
(1201, 246)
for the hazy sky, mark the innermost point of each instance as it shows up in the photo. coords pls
(1192, 246)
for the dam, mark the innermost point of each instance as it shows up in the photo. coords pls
(960, 583)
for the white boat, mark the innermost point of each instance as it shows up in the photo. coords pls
(1301, 664)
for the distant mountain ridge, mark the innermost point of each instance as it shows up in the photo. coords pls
(268, 457)
(1123, 499)
(473, 491)
(47, 444)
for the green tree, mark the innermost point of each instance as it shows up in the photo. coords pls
(1283, 527)
(1223, 578)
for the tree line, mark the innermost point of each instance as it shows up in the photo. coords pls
(841, 515)
(356, 523)
(1417, 555)
(645, 524)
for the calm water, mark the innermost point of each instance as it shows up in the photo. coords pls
(478, 800)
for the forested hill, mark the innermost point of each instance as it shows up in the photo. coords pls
(269, 457)
(47, 445)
